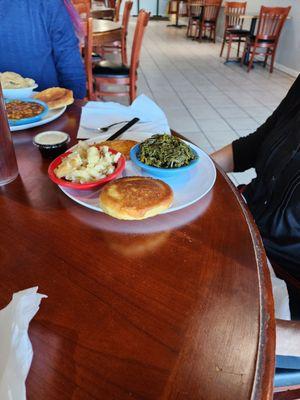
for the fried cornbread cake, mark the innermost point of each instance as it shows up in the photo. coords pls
(135, 197)
(56, 97)
(122, 146)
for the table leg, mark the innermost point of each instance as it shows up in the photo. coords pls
(200, 37)
(252, 33)
(177, 25)
(157, 16)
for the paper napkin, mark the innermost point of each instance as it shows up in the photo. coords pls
(96, 114)
(15, 346)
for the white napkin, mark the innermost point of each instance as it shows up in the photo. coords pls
(97, 114)
(15, 346)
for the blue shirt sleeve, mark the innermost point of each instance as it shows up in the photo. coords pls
(65, 47)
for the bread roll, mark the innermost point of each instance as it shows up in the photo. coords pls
(56, 97)
(135, 197)
(122, 146)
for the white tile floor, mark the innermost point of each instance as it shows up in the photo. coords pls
(205, 100)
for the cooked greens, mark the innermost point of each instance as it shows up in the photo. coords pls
(165, 151)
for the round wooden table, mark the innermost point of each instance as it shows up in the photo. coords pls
(175, 307)
(106, 31)
(101, 12)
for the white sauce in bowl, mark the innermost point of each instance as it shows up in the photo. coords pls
(50, 138)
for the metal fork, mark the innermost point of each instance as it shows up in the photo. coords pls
(106, 128)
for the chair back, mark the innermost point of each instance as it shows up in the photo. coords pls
(194, 8)
(125, 19)
(211, 10)
(117, 10)
(271, 21)
(87, 26)
(141, 24)
(233, 10)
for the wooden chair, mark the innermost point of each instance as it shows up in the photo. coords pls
(209, 19)
(121, 45)
(87, 50)
(108, 73)
(112, 3)
(194, 10)
(271, 21)
(117, 10)
(234, 32)
(83, 9)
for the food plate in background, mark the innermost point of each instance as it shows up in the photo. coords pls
(28, 120)
(188, 187)
(49, 117)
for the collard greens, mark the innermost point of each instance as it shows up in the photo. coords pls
(165, 151)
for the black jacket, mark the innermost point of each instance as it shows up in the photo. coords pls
(274, 196)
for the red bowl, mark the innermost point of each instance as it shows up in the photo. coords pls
(84, 186)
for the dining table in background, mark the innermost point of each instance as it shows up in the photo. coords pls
(102, 12)
(176, 12)
(178, 306)
(105, 31)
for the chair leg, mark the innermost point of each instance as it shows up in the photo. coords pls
(188, 29)
(223, 45)
(238, 49)
(132, 92)
(124, 52)
(196, 31)
(251, 59)
(229, 48)
(244, 55)
(266, 59)
(199, 36)
(272, 61)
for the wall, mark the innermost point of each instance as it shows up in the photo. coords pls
(150, 5)
(288, 53)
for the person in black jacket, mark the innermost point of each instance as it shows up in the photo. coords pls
(273, 196)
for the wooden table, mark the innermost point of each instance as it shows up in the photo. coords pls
(101, 12)
(180, 311)
(106, 31)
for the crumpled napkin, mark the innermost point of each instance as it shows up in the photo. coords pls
(97, 114)
(15, 346)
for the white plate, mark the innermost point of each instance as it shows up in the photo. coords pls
(188, 187)
(50, 116)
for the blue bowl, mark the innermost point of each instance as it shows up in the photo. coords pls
(162, 172)
(24, 121)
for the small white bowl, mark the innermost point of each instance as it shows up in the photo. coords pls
(20, 93)
(51, 143)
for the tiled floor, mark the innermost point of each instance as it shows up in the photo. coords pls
(205, 100)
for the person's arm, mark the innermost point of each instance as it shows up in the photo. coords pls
(65, 47)
(243, 152)
(224, 158)
(287, 338)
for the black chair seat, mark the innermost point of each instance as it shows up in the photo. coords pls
(253, 37)
(96, 57)
(196, 17)
(240, 32)
(107, 68)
